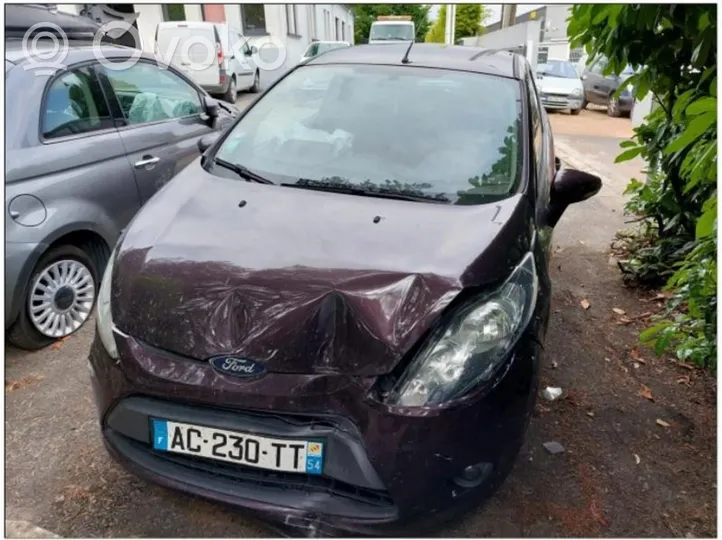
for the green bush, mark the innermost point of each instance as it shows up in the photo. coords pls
(672, 48)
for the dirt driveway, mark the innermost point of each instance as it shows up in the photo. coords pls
(623, 473)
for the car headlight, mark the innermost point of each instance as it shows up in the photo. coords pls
(577, 92)
(470, 348)
(104, 316)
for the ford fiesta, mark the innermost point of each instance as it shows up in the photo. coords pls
(334, 317)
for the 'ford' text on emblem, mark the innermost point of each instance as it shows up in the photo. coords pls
(237, 367)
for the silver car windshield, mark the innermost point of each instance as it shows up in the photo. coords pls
(452, 135)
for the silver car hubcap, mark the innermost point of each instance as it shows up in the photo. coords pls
(61, 298)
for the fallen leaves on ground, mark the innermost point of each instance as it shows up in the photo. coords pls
(585, 303)
(20, 383)
(685, 365)
(646, 392)
(619, 311)
(59, 343)
(662, 423)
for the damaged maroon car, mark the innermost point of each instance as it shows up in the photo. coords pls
(335, 317)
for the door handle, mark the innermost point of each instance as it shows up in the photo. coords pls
(147, 160)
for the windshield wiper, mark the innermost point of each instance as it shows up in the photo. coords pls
(317, 185)
(242, 171)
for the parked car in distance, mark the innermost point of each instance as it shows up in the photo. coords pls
(560, 86)
(600, 89)
(320, 47)
(85, 147)
(349, 293)
(234, 69)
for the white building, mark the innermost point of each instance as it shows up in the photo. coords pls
(295, 26)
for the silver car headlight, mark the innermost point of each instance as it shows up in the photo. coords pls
(104, 317)
(470, 348)
(577, 92)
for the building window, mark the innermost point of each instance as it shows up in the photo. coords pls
(173, 12)
(254, 19)
(576, 54)
(326, 24)
(337, 29)
(291, 19)
(343, 31)
(542, 55)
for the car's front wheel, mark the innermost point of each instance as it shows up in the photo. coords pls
(256, 83)
(613, 107)
(58, 299)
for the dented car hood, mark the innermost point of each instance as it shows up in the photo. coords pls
(301, 281)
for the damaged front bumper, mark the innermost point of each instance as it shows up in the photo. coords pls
(388, 470)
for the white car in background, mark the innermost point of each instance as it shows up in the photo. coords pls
(319, 47)
(560, 87)
(233, 68)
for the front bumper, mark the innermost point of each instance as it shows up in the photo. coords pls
(387, 469)
(561, 101)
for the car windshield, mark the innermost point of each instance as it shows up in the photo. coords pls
(392, 32)
(558, 68)
(318, 48)
(453, 136)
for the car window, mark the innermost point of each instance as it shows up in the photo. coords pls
(599, 66)
(147, 93)
(311, 51)
(74, 104)
(246, 49)
(415, 129)
(385, 32)
(558, 68)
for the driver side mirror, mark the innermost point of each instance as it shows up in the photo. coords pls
(570, 186)
(211, 106)
(254, 50)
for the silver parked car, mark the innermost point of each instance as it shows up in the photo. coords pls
(85, 147)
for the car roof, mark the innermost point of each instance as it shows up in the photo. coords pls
(78, 51)
(429, 55)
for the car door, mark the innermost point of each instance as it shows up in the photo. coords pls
(246, 62)
(594, 84)
(162, 116)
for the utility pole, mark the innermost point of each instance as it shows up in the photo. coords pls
(508, 15)
(450, 26)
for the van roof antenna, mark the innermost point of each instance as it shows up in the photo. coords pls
(405, 59)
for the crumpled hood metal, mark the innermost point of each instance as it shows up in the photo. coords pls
(302, 281)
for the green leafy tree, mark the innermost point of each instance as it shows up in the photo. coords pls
(365, 15)
(469, 20)
(673, 50)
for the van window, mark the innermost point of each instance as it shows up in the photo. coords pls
(147, 93)
(74, 104)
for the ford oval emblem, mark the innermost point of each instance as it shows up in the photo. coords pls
(235, 366)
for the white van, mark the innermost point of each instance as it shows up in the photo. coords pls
(223, 60)
(390, 28)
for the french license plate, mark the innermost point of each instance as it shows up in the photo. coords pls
(286, 455)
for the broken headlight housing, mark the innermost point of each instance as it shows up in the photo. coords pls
(470, 348)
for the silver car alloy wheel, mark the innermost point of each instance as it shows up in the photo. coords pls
(61, 298)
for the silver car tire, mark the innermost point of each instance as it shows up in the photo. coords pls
(59, 297)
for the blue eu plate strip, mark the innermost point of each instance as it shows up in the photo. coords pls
(160, 434)
(314, 458)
